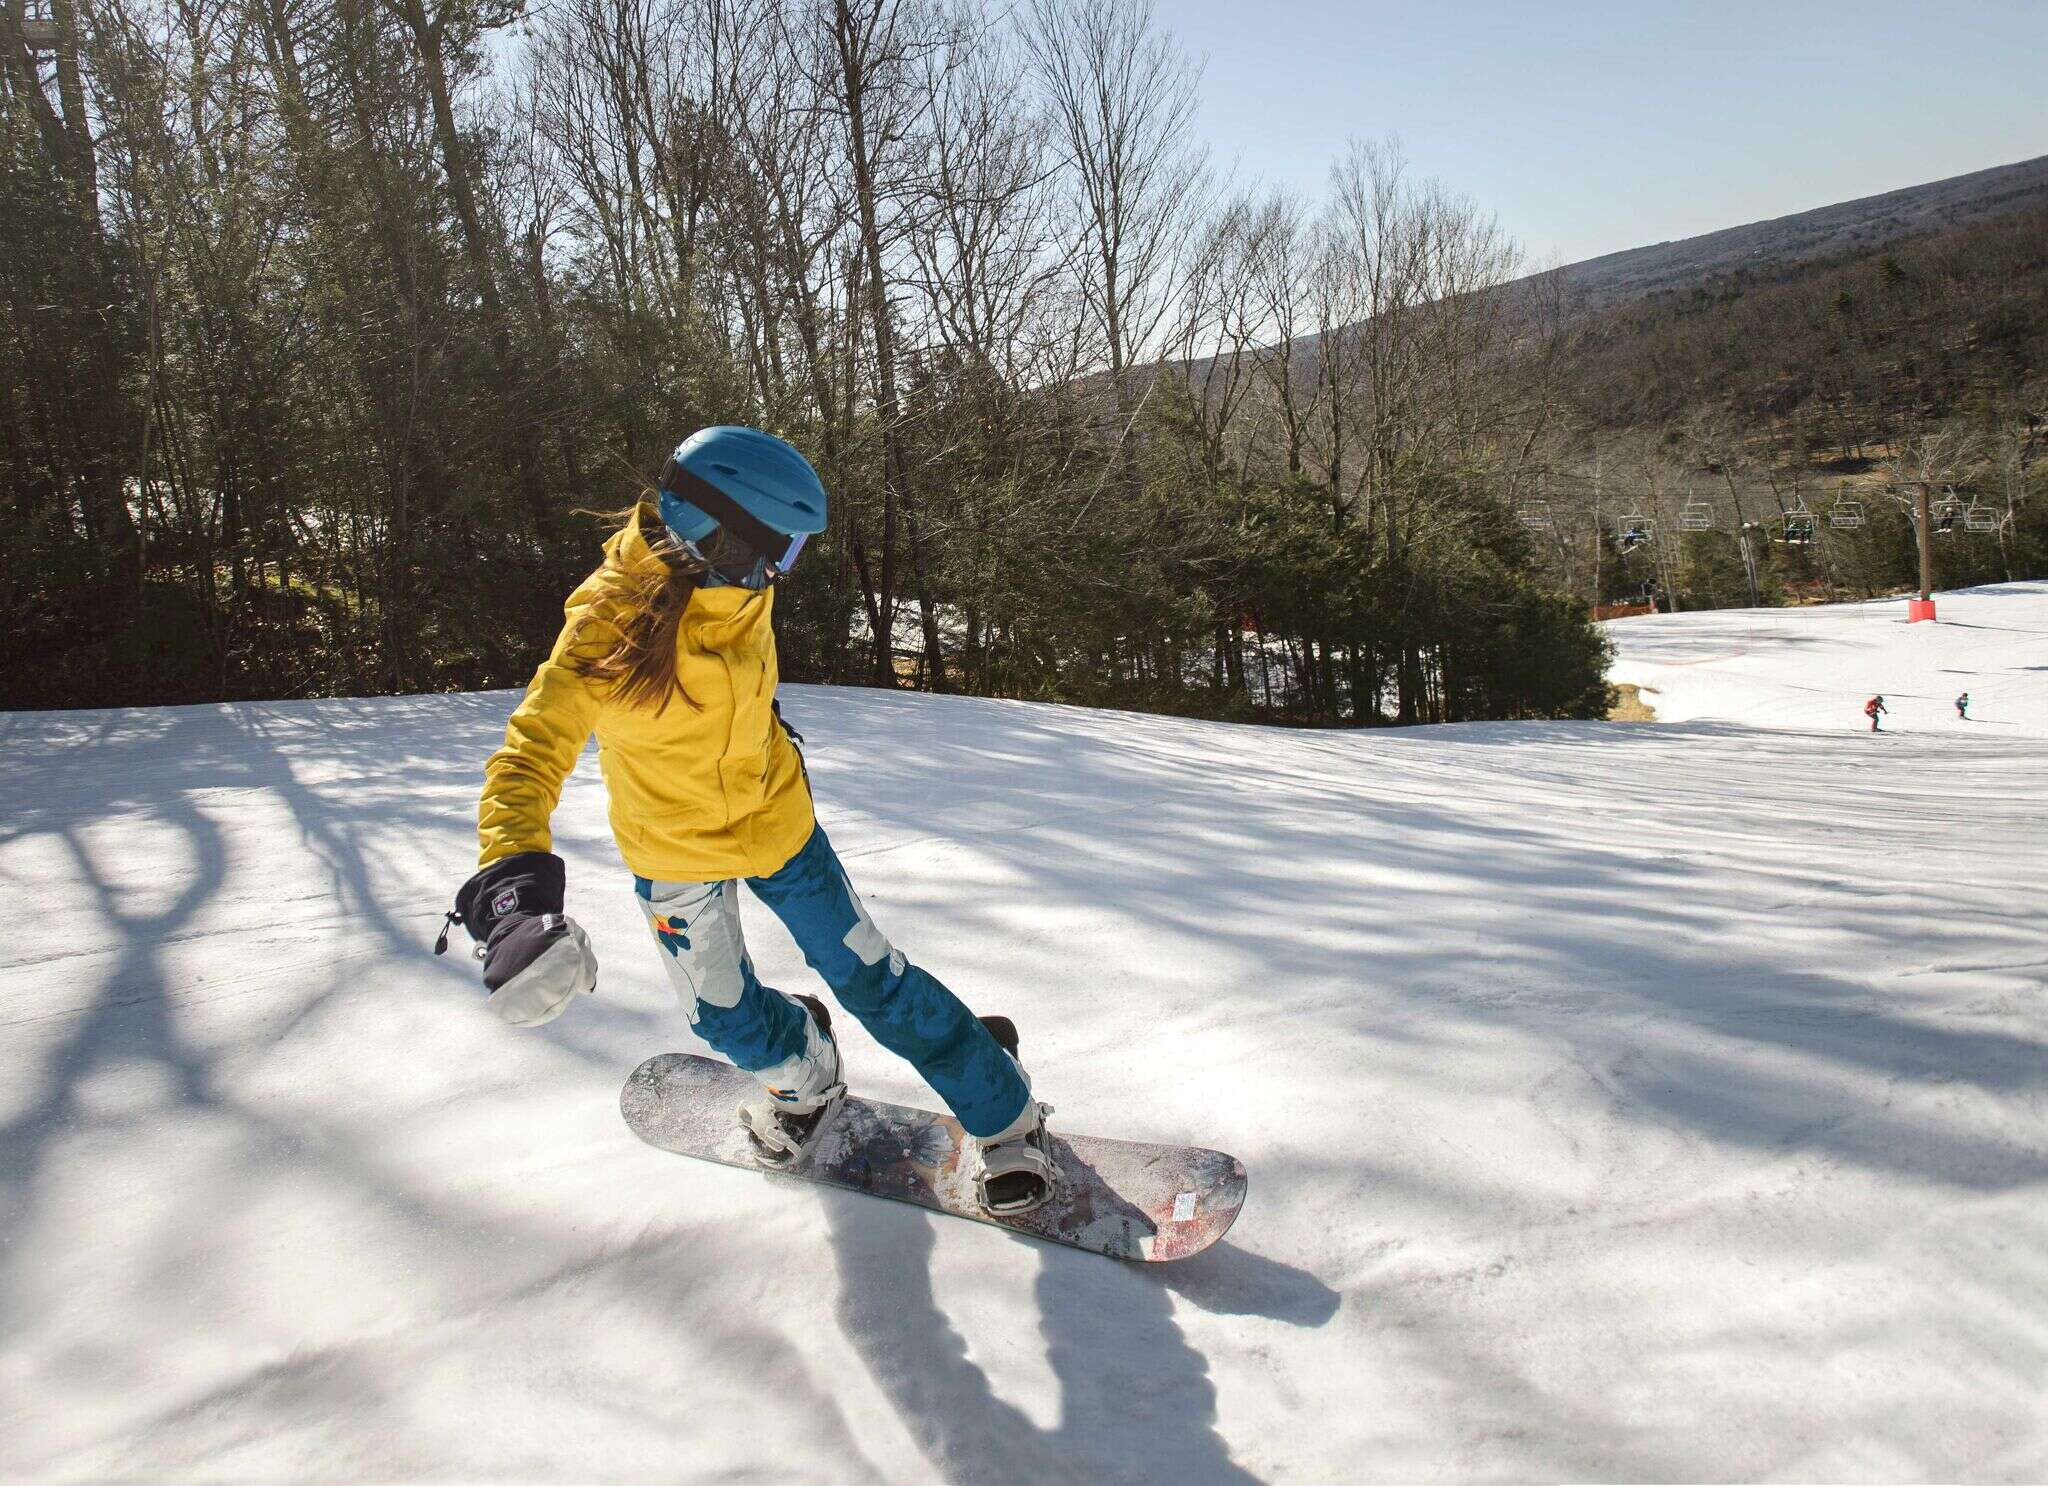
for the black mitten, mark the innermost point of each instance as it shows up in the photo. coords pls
(535, 957)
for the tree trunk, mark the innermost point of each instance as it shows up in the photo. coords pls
(855, 44)
(429, 38)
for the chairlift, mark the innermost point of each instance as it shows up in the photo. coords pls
(1696, 515)
(1845, 513)
(1946, 511)
(39, 35)
(1796, 523)
(1534, 514)
(1633, 530)
(1979, 518)
(1799, 522)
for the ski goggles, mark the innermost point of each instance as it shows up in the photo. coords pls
(761, 538)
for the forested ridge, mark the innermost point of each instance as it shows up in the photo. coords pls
(327, 324)
(1837, 387)
(1840, 231)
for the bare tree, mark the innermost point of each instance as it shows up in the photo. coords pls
(1409, 371)
(870, 74)
(1122, 97)
(1281, 277)
(1921, 463)
(1719, 446)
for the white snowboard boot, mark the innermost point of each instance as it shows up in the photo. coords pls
(796, 1095)
(1014, 1169)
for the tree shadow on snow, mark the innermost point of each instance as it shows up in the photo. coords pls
(1685, 951)
(1122, 816)
(1136, 1400)
(155, 768)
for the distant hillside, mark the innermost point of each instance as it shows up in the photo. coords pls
(1840, 352)
(1738, 260)
(1807, 378)
(1848, 227)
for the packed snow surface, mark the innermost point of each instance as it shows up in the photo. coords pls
(1815, 668)
(1656, 1101)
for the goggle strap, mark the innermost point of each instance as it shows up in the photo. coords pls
(679, 481)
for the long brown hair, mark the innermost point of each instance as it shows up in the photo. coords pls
(643, 608)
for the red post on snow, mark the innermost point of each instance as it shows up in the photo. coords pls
(1919, 609)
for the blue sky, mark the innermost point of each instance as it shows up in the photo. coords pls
(1588, 127)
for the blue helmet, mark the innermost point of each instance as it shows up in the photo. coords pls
(752, 483)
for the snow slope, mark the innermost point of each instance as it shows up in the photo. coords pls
(1816, 667)
(1640, 1102)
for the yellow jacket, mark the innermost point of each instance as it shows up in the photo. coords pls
(698, 793)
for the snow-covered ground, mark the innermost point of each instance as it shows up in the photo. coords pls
(1815, 668)
(1647, 1102)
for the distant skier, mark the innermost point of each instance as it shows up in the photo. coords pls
(1963, 707)
(668, 654)
(1874, 709)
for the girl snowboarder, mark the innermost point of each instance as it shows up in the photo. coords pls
(1873, 709)
(669, 656)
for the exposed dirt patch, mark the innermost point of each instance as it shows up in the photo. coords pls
(1629, 705)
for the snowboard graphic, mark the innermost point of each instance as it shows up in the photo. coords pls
(1122, 1198)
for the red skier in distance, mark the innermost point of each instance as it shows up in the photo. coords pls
(1874, 709)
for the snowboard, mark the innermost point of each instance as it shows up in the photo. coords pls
(1122, 1198)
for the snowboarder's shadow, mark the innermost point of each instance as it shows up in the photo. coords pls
(1136, 1402)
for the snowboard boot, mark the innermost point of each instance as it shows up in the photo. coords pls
(1014, 1170)
(783, 1125)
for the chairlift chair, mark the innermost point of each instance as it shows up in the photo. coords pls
(1979, 518)
(1799, 522)
(1633, 530)
(1845, 513)
(1796, 523)
(1945, 512)
(1696, 515)
(1534, 514)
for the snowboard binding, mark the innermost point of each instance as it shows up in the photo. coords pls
(782, 1133)
(1015, 1171)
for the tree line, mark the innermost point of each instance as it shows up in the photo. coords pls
(327, 325)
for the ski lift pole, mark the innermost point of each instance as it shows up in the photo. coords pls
(1742, 545)
(1741, 535)
(1923, 607)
